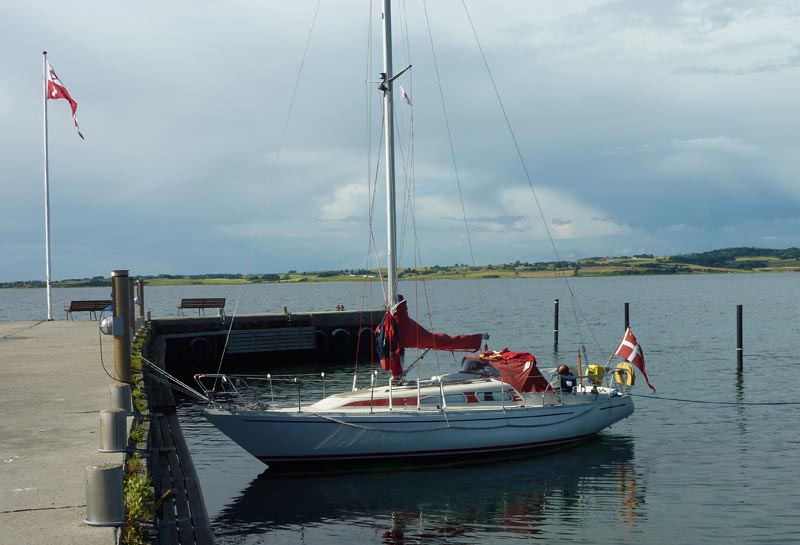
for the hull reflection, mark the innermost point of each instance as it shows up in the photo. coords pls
(512, 496)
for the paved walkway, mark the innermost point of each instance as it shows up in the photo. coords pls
(52, 389)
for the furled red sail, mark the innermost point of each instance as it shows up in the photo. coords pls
(517, 369)
(398, 331)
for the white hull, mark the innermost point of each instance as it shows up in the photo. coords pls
(288, 436)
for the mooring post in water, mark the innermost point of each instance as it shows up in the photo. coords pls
(739, 349)
(627, 316)
(122, 335)
(555, 325)
(140, 298)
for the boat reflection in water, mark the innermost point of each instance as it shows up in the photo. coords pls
(513, 498)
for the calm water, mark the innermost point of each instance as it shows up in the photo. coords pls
(675, 472)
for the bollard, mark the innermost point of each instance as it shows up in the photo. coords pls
(104, 500)
(555, 325)
(121, 397)
(739, 348)
(113, 431)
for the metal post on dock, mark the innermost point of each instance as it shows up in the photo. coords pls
(121, 397)
(140, 298)
(627, 316)
(555, 325)
(104, 497)
(113, 431)
(120, 287)
(739, 349)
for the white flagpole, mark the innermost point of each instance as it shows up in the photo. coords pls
(46, 195)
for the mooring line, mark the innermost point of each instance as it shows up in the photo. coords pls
(706, 402)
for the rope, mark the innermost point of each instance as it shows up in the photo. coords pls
(706, 402)
(165, 378)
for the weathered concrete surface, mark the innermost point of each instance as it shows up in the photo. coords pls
(52, 388)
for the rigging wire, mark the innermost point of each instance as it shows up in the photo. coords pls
(453, 157)
(576, 309)
(409, 210)
(406, 152)
(273, 168)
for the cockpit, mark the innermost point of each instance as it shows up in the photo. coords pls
(474, 366)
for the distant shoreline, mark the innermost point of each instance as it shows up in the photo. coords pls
(729, 260)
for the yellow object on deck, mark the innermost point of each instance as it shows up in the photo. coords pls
(595, 372)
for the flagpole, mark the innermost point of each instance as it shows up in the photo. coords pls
(46, 195)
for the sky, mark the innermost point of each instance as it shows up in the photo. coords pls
(244, 136)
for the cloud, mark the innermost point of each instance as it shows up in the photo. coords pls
(643, 125)
(348, 204)
(575, 220)
(714, 144)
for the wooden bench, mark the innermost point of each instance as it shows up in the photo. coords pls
(203, 303)
(91, 306)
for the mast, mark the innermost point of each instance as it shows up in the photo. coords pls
(388, 122)
(46, 197)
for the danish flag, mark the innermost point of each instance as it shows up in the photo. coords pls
(405, 96)
(630, 350)
(56, 89)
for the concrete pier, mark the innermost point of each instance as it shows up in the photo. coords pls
(52, 388)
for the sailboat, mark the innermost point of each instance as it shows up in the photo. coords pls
(498, 402)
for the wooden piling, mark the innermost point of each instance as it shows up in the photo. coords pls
(140, 298)
(131, 309)
(122, 342)
(627, 316)
(739, 349)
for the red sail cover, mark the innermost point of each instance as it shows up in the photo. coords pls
(397, 331)
(517, 369)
